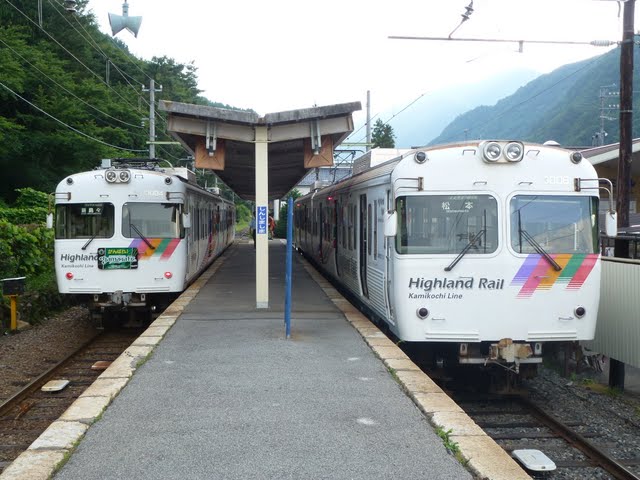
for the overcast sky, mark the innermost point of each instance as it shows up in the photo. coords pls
(281, 55)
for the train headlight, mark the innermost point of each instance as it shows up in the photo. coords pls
(492, 152)
(125, 176)
(514, 152)
(422, 313)
(111, 176)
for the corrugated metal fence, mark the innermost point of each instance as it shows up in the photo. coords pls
(618, 329)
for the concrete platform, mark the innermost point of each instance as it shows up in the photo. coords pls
(214, 390)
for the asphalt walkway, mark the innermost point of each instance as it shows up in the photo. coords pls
(225, 396)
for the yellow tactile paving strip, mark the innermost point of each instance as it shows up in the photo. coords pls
(483, 456)
(41, 459)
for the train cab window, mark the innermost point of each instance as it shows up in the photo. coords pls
(554, 223)
(85, 220)
(154, 220)
(446, 224)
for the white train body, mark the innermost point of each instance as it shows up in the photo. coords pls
(459, 268)
(136, 236)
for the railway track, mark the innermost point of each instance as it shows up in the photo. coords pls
(27, 413)
(578, 451)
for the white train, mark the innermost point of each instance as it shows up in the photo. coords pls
(131, 235)
(483, 251)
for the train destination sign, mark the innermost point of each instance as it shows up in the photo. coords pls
(117, 258)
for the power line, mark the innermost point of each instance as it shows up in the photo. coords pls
(66, 125)
(70, 53)
(67, 90)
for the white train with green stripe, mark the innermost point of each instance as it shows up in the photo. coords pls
(479, 253)
(132, 235)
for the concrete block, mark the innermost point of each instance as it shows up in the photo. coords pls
(435, 402)
(389, 352)
(458, 422)
(60, 436)
(156, 331)
(487, 460)
(377, 341)
(105, 387)
(417, 381)
(85, 409)
(33, 465)
(401, 364)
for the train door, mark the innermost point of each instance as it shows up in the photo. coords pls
(388, 271)
(320, 231)
(337, 228)
(362, 247)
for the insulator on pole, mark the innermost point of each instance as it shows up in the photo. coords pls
(602, 43)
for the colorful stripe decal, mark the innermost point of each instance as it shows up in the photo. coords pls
(164, 247)
(537, 274)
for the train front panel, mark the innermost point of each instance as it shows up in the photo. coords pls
(118, 242)
(497, 256)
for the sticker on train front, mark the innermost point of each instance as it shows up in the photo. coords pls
(117, 258)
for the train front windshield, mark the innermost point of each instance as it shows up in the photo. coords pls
(558, 224)
(155, 220)
(85, 220)
(446, 224)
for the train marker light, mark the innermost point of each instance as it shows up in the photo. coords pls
(420, 157)
(580, 312)
(576, 157)
(168, 275)
(69, 275)
(422, 313)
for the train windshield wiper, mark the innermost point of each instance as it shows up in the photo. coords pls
(538, 248)
(84, 247)
(464, 251)
(142, 236)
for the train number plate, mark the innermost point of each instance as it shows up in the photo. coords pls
(117, 258)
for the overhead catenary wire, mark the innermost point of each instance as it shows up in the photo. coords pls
(79, 132)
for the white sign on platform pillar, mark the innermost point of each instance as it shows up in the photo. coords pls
(262, 240)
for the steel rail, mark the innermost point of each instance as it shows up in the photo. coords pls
(11, 402)
(596, 455)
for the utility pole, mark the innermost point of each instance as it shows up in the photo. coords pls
(623, 181)
(368, 120)
(152, 116)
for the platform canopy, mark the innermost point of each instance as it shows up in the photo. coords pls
(223, 140)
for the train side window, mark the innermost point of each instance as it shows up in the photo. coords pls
(85, 220)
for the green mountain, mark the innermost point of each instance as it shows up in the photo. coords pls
(563, 105)
(71, 95)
